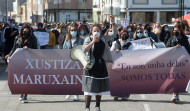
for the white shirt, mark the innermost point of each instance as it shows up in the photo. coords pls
(113, 47)
(73, 41)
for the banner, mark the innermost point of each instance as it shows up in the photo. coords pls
(42, 38)
(47, 71)
(149, 71)
(141, 44)
(124, 23)
(52, 72)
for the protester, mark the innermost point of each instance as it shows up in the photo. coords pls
(62, 36)
(165, 34)
(150, 33)
(123, 43)
(52, 39)
(56, 33)
(72, 39)
(25, 41)
(157, 30)
(10, 34)
(139, 34)
(178, 39)
(40, 27)
(108, 33)
(119, 28)
(82, 32)
(95, 82)
(131, 32)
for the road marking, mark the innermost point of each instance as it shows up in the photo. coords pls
(3, 93)
(146, 107)
(143, 96)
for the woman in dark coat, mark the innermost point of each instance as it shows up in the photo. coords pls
(26, 40)
(165, 34)
(178, 39)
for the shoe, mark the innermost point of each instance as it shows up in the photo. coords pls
(76, 98)
(20, 99)
(24, 101)
(124, 99)
(177, 99)
(87, 109)
(116, 98)
(98, 109)
(174, 99)
(68, 97)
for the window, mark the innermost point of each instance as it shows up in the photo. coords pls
(169, 16)
(82, 1)
(140, 1)
(169, 1)
(149, 17)
(57, 1)
(67, 1)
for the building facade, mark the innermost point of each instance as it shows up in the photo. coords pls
(67, 10)
(6, 7)
(139, 11)
(144, 11)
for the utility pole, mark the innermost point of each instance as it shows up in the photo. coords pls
(58, 11)
(7, 11)
(111, 7)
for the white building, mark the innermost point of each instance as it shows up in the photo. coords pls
(143, 11)
(103, 8)
(138, 11)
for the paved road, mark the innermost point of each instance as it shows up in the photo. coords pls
(150, 102)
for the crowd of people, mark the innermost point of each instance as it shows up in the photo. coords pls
(97, 40)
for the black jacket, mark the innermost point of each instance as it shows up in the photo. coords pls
(181, 40)
(32, 43)
(125, 46)
(164, 36)
(10, 39)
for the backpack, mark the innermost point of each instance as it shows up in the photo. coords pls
(125, 46)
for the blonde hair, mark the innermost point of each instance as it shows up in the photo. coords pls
(68, 35)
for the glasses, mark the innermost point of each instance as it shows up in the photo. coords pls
(25, 31)
(139, 32)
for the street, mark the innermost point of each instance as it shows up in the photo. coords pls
(142, 102)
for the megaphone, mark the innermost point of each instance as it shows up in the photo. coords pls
(77, 54)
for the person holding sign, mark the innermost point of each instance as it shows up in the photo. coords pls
(25, 41)
(122, 43)
(178, 39)
(95, 82)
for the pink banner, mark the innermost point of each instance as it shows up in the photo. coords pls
(163, 70)
(44, 72)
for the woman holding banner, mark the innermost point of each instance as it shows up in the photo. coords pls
(123, 43)
(25, 41)
(178, 39)
(72, 39)
(95, 81)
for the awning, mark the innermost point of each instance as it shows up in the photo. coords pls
(186, 17)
